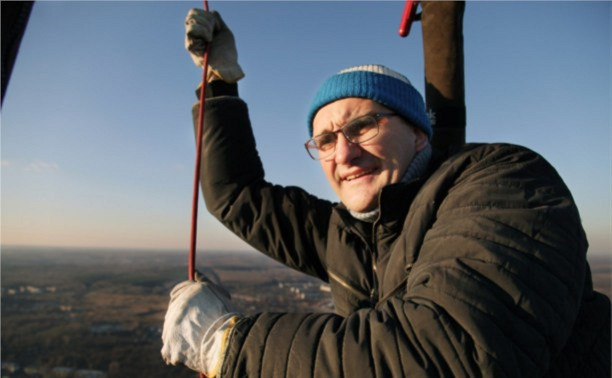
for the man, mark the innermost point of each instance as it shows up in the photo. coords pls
(473, 266)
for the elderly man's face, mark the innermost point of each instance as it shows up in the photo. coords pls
(357, 172)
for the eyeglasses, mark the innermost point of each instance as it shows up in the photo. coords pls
(357, 131)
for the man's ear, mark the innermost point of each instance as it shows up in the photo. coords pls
(420, 140)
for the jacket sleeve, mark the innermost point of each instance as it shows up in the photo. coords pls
(286, 223)
(494, 291)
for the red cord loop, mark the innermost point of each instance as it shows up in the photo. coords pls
(196, 179)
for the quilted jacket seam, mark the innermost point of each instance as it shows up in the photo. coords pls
(482, 311)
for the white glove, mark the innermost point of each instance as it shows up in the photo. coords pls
(201, 28)
(197, 325)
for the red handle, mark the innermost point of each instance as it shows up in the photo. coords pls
(407, 17)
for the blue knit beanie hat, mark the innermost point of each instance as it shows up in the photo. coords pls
(377, 83)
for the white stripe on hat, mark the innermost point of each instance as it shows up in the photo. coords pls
(377, 68)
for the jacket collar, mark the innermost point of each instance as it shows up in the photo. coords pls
(394, 201)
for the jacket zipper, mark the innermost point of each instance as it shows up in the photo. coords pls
(345, 284)
(374, 291)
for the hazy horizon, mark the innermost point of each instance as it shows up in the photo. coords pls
(179, 251)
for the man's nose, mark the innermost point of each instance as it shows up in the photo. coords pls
(345, 150)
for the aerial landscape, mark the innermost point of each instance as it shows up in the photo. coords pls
(99, 313)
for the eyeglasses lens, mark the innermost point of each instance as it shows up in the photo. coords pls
(361, 130)
(358, 131)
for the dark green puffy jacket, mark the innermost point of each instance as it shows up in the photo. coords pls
(479, 270)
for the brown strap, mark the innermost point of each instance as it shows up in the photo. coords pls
(442, 23)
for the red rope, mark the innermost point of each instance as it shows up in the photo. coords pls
(196, 178)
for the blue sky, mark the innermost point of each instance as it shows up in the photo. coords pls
(97, 142)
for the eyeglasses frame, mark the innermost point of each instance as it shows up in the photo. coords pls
(377, 117)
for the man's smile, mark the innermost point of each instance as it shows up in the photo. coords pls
(356, 175)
